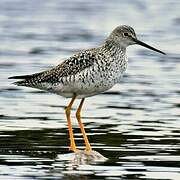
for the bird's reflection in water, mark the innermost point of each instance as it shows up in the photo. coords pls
(81, 157)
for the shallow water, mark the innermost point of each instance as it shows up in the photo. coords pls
(136, 125)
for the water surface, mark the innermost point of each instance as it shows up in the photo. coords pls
(136, 125)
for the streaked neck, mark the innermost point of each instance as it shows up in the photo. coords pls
(113, 47)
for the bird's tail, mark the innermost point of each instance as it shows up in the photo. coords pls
(23, 82)
(20, 77)
(27, 80)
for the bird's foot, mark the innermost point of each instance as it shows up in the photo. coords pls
(74, 149)
(82, 157)
(88, 150)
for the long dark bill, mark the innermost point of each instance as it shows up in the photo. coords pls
(147, 46)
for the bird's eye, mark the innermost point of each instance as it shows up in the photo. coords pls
(126, 34)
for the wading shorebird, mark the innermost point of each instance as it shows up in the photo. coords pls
(87, 73)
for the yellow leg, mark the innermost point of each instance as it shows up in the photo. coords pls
(78, 116)
(68, 113)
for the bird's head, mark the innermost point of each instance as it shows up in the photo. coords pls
(125, 35)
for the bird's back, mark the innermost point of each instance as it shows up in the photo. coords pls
(69, 67)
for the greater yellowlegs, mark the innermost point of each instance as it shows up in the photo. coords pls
(87, 73)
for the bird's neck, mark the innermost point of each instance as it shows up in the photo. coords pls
(113, 48)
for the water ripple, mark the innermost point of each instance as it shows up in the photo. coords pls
(135, 124)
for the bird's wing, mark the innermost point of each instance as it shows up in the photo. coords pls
(71, 66)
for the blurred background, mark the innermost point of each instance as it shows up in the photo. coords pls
(136, 125)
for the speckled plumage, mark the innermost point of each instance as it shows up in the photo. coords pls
(85, 74)
(88, 72)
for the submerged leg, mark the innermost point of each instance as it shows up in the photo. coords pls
(78, 116)
(68, 113)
